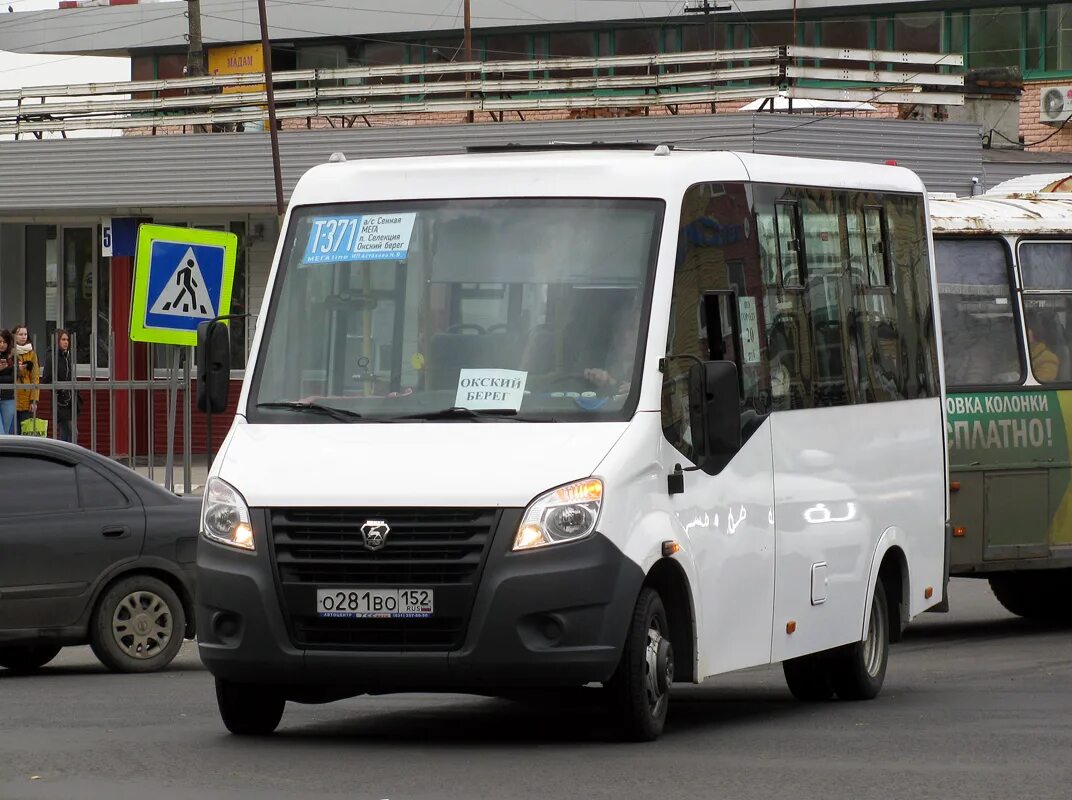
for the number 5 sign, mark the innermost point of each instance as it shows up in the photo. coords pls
(106, 238)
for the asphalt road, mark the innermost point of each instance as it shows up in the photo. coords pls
(977, 704)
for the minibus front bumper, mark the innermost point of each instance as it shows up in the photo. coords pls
(542, 618)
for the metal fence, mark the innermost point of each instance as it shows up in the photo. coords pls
(127, 401)
(494, 87)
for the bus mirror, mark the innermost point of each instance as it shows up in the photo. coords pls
(715, 413)
(213, 366)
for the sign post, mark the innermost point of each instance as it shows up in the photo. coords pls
(182, 276)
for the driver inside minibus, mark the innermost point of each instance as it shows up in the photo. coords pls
(616, 372)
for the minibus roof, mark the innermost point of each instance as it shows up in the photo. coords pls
(656, 172)
(1025, 215)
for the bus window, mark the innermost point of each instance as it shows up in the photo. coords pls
(1048, 308)
(978, 324)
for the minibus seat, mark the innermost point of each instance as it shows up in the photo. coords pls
(448, 353)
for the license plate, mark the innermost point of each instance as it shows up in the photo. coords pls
(386, 603)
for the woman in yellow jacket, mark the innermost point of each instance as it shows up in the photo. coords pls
(29, 371)
(1044, 362)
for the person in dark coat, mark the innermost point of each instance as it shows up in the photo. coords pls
(60, 369)
(7, 382)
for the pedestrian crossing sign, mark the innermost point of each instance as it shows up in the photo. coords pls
(182, 277)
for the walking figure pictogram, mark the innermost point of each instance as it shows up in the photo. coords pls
(184, 277)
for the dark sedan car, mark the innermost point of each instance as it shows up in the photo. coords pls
(91, 552)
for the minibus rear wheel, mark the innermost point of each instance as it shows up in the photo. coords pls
(640, 688)
(858, 670)
(249, 709)
(808, 678)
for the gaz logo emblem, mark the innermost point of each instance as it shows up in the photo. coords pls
(374, 532)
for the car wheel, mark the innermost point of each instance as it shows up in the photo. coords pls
(138, 625)
(249, 709)
(808, 678)
(27, 658)
(858, 670)
(640, 688)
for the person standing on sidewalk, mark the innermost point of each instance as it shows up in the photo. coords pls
(7, 382)
(59, 370)
(28, 371)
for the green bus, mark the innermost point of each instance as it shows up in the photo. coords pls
(1004, 265)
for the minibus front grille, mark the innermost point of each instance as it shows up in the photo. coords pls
(442, 549)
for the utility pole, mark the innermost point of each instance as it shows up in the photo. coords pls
(195, 56)
(468, 51)
(266, 47)
(708, 9)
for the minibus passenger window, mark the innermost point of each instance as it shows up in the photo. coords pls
(978, 323)
(1048, 308)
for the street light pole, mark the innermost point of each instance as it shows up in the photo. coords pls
(266, 47)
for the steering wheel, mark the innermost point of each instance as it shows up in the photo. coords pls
(466, 326)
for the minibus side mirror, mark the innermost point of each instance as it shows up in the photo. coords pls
(715, 413)
(213, 366)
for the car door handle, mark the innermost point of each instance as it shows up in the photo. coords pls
(114, 533)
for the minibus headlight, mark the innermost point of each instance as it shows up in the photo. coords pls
(225, 516)
(564, 514)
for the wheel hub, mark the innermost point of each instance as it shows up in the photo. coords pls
(658, 669)
(142, 625)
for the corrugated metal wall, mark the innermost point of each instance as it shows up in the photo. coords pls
(129, 174)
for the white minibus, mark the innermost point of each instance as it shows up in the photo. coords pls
(548, 418)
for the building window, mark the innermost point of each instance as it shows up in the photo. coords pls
(515, 47)
(772, 34)
(919, 32)
(848, 33)
(1033, 45)
(994, 37)
(1058, 51)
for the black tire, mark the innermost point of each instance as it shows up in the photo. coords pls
(27, 658)
(138, 625)
(640, 688)
(858, 670)
(248, 709)
(1039, 596)
(808, 678)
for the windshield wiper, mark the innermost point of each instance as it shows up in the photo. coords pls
(340, 414)
(459, 412)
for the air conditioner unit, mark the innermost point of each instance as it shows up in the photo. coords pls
(1055, 106)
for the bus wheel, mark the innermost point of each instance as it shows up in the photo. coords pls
(248, 709)
(640, 688)
(808, 678)
(1032, 595)
(858, 670)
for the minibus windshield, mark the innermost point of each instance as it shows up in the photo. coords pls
(459, 311)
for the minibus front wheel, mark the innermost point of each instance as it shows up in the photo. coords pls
(640, 687)
(249, 709)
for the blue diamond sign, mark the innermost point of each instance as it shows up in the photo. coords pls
(182, 277)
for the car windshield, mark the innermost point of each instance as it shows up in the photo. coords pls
(459, 310)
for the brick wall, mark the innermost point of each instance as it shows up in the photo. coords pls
(1034, 131)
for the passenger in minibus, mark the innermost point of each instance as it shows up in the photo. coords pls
(1044, 362)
